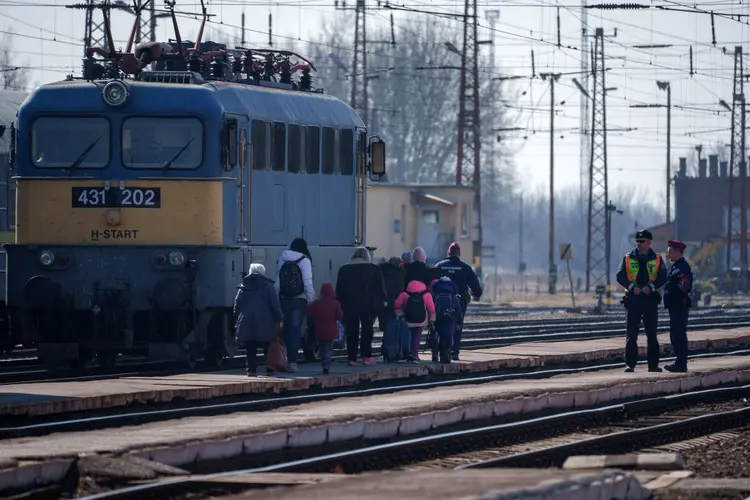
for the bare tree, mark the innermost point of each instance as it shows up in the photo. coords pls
(13, 76)
(413, 94)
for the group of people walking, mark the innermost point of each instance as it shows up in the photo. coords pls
(642, 274)
(402, 293)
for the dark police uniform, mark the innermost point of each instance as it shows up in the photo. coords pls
(639, 270)
(464, 277)
(677, 301)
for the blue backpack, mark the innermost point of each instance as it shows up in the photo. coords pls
(447, 304)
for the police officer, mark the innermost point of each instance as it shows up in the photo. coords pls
(642, 273)
(677, 301)
(464, 277)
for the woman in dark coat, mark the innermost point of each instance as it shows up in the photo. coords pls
(257, 313)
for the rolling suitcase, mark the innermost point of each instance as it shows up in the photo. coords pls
(396, 340)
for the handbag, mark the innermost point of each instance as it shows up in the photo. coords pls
(276, 356)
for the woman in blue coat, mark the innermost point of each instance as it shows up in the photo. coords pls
(257, 313)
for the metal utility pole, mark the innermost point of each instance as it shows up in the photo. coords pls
(359, 100)
(467, 165)
(666, 86)
(737, 215)
(597, 262)
(585, 118)
(552, 278)
(492, 17)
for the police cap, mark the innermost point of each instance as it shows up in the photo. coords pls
(677, 245)
(644, 234)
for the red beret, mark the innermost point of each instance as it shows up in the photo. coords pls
(454, 249)
(676, 244)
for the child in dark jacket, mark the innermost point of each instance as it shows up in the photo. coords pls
(326, 313)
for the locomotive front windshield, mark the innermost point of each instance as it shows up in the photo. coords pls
(66, 142)
(162, 143)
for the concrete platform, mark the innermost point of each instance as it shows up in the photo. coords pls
(36, 399)
(183, 441)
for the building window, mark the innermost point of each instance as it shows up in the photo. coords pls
(465, 220)
(430, 217)
(396, 226)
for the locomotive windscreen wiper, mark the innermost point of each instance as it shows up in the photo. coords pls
(174, 158)
(83, 156)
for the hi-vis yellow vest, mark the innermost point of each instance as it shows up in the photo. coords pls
(632, 266)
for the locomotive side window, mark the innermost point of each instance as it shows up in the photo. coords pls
(295, 149)
(259, 140)
(346, 152)
(329, 150)
(230, 128)
(312, 146)
(278, 146)
(70, 142)
(174, 143)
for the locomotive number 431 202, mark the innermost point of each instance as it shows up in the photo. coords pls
(92, 197)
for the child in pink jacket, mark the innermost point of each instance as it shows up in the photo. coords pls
(415, 305)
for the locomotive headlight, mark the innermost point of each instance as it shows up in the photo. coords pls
(115, 93)
(176, 259)
(47, 258)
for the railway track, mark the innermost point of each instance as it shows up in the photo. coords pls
(476, 336)
(537, 442)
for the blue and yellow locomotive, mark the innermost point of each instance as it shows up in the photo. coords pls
(141, 201)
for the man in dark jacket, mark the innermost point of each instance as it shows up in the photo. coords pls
(642, 273)
(360, 289)
(395, 283)
(677, 301)
(465, 279)
(257, 313)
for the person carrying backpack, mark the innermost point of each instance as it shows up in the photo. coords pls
(294, 284)
(417, 308)
(448, 314)
(463, 276)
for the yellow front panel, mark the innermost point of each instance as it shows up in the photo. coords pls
(190, 214)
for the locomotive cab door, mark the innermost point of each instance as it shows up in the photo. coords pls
(244, 188)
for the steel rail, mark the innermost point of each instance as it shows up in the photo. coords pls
(471, 342)
(386, 455)
(273, 402)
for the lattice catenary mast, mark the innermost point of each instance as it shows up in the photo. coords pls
(95, 31)
(467, 165)
(359, 100)
(737, 211)
(597, 255)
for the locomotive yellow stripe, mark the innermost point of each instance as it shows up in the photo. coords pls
(190, 214)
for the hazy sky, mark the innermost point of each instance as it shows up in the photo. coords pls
(49, 42)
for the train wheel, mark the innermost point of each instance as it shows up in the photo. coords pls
(107, 359)
(219, 339)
